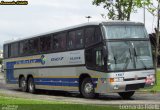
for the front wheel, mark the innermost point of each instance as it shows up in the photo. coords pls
(31, 85)
(126, 95)
(87, 88)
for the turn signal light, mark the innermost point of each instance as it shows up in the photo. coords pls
(111, 80)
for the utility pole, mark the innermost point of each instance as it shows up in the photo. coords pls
(144, 15)
(88, 17)
(157, 37)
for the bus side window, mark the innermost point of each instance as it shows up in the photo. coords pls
(45, 43)
(75, 39)
(33, 46)
(23, 47)
(89, 35)
(59, 42)
(72, 40)
(6, 51)
(98, 35)
(14, 50)
(79, 39)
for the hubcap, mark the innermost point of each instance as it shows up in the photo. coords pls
(88, 88)
(31, 86)
(23, 83)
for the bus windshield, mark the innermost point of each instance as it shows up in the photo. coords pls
(125, 31)
(127, 55)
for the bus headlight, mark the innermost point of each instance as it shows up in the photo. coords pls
(120, 79)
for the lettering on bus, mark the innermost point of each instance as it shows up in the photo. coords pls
(75, 58)
(57, 59)
(119, 74)
(28, 61)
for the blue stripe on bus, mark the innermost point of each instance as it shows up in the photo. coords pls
(61, 81)
(57, 84)
(57, 79)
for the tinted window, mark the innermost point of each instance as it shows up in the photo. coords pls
(90, 59)
(33, 46)
(59, 42)
(45, 43)
(75, 39)
(5, 51)
(79, 38)
(72, 40)
(14, 50)
(23, 47)
(93, 35)
(98, 35)
(29, 46)
(89, 35)
(94, 58)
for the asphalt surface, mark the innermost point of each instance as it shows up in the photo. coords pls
(103, 99)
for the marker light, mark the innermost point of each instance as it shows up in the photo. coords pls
(150, 79)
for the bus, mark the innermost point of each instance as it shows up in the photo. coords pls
(91, 58)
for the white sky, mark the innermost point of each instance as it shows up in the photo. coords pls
(42, 16)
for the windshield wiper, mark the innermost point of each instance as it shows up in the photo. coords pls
(127, 60)
(145, 67)
(115, 59)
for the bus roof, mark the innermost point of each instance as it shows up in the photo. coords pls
(77, 26)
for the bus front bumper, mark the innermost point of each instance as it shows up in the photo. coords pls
(129, 86)
(109, 85)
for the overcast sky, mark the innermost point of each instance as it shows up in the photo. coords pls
(42, 16)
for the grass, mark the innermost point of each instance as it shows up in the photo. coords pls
(155, 88)
(31, 104)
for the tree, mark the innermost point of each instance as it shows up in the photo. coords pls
(122, 9)
(1, 61)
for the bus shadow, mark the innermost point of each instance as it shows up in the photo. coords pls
(77, 95)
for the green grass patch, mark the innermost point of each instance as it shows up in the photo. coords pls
(156, 88)
(31, 104)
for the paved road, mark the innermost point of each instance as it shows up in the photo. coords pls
(111, 99)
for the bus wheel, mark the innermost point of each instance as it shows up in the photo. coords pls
(23, 84)
(87, 88)
(31, 85)
(126, 95)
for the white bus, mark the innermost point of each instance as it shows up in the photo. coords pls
(91, 58)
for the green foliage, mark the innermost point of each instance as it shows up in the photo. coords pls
(122, 9)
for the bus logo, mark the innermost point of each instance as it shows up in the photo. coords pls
(43, 60)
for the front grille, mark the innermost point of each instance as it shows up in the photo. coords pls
(134, 86)
(131, 79)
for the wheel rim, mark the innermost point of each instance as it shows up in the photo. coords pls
(23, 83)
(31, 86)
(88, 88)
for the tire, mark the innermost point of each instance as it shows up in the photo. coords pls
(87, 88)
(31, 85)
(23, 84)
(126, 95)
